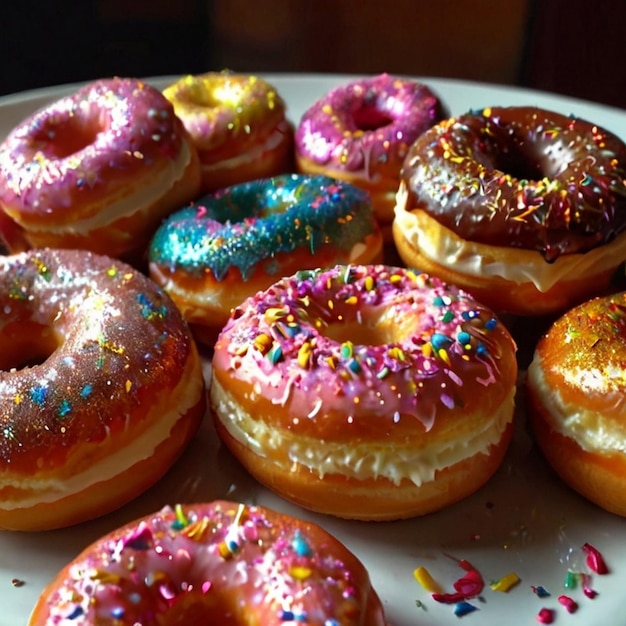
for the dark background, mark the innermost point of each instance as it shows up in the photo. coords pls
(571, 47)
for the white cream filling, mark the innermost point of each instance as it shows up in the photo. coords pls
(469, 258)
(362, 461)
(196, 302)
(53, 489)
(589, 429)
(144, 197)
(248, 156)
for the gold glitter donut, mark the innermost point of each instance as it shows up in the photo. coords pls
(577, 399)
(101, 387)
(238, 125)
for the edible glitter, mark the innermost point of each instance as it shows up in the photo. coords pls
(250, 223)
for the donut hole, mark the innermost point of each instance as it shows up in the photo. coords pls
(371, 118)
(371, 329)
(26, 344)
(520, 165)
(69, 135)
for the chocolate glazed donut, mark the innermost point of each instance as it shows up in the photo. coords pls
(521, 177)
(522, 207)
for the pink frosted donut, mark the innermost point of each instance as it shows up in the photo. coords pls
(360, 132)
(98, 169)
(217, 563)
(369, 392)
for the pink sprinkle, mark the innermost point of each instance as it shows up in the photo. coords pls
(545, 616)
(206, 585)
(250, 531)
(570, 605)
(595, 561)
(168, 593)
(587, 590)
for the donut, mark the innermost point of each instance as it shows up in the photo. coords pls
(101, 386)
(97, 169)
(238, 125)
(361, 131)
(216, 563)
(576, 397)
(522, 207)
(365, 392)
(213, 254)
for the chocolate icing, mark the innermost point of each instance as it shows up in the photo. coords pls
(521, 177)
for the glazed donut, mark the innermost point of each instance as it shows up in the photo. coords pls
(365, 392)
(360, 132)
(101, 387)
(217, 563)
(524, 208)
(223, 248)
(576, 396)
(98, 169)
(237, 124)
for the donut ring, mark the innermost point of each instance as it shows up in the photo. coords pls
(523, 207)
(360, 132)
(576, 396)
(98, 169)
(237, 124)
(223, 248)
(213, 564)
(101, 387)
(367, 392)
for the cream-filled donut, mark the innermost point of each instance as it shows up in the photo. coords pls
(98, 169)
(368, 392)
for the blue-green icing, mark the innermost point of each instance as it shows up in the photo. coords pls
(246, 224)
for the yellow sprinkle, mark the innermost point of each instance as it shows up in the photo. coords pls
(506, 582)
(263, 343)
(105, 577)
(396, 353)
(304, 353)
(443, 355)
(423, 577)
(487, 112)
(369, 283)
(427, 350)
(129, 385)
(196, 530)
(300, 572)
(275, 313)
(352, 300)
(395, 278)
(224, 551)
(17, 399)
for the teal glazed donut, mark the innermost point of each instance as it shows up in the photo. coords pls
(214, 253)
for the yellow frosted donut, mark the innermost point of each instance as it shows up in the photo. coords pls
(238, 125)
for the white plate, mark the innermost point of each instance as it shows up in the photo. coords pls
(524, 521)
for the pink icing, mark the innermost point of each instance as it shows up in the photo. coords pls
(84, 143)
(249, 559)
(311, 343)
(367, 123)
